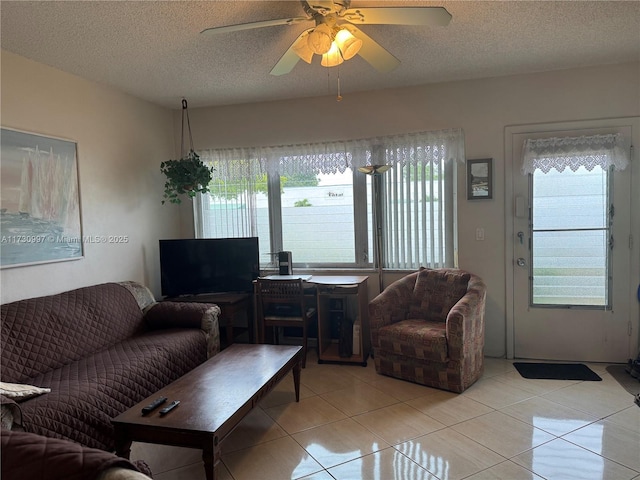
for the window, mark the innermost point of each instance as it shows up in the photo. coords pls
(317, 218)
(572, 218)
(571, 231)
(312, 200)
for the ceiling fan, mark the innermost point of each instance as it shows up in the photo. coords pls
(335, 35)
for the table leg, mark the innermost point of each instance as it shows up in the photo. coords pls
(251, 325)
(297, 368)
(122, 443)
(211, 457)
(230, 334)
(230, 313)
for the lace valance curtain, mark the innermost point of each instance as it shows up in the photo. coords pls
(332, 157)
(575, 152)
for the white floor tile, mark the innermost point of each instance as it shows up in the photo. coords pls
(560, 459)
(503, 434)
(449, 454)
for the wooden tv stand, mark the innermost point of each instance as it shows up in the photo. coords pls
(231, 305)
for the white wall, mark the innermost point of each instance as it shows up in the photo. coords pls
(481, 107)
(121, 142)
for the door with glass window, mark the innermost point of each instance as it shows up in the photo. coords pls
(572, 273)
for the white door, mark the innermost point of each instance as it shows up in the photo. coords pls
(573, 280)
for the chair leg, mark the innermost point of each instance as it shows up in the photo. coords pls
(304, 346)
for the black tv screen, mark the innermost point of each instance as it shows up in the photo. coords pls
(208, 265)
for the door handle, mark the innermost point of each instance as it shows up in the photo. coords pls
(521, 237)
(521, 262)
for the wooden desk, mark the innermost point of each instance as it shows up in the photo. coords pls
(339, 298)
(231, 304)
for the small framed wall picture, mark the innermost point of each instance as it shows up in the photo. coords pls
(480, 179)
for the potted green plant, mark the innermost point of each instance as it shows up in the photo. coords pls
(187, 175)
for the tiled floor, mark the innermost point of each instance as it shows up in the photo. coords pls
(351, 423)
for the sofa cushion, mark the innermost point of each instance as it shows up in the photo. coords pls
(86, 394)
(415, 338)
(436, 292)
(167, 314)
(46, 333)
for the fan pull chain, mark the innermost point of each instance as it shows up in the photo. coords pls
(339, 94)
(328, 81)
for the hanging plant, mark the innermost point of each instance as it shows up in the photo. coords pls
(188, 175)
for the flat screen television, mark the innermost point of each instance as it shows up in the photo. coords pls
(208, 265)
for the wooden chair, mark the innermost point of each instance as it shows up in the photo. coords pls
(280, 303)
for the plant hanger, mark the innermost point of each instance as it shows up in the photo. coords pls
(185, 114)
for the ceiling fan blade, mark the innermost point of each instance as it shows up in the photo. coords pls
(432, 16)
(290, 57)
(324, 7)
(377, 56)
(251, 25)
(320, 4)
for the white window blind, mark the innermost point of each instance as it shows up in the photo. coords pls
(230, 209)
(418, 199)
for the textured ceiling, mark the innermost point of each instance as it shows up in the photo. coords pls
(153, 49)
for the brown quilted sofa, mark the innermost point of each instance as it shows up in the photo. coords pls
(428, 328)
(100, 349)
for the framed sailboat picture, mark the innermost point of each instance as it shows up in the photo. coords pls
(39, 200)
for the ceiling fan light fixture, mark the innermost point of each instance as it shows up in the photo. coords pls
(374, 169)
(348, 44)
(333, 57)
(320, 39)
(301, 47)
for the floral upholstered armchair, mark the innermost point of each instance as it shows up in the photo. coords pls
(428, 328)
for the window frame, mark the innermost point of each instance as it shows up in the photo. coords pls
(360, 220)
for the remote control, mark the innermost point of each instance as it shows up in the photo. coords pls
(153, 405)
(169, 407)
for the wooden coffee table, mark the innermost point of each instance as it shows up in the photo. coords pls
(214, 398)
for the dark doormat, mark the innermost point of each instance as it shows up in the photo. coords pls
(556, 371)
(630, 384)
